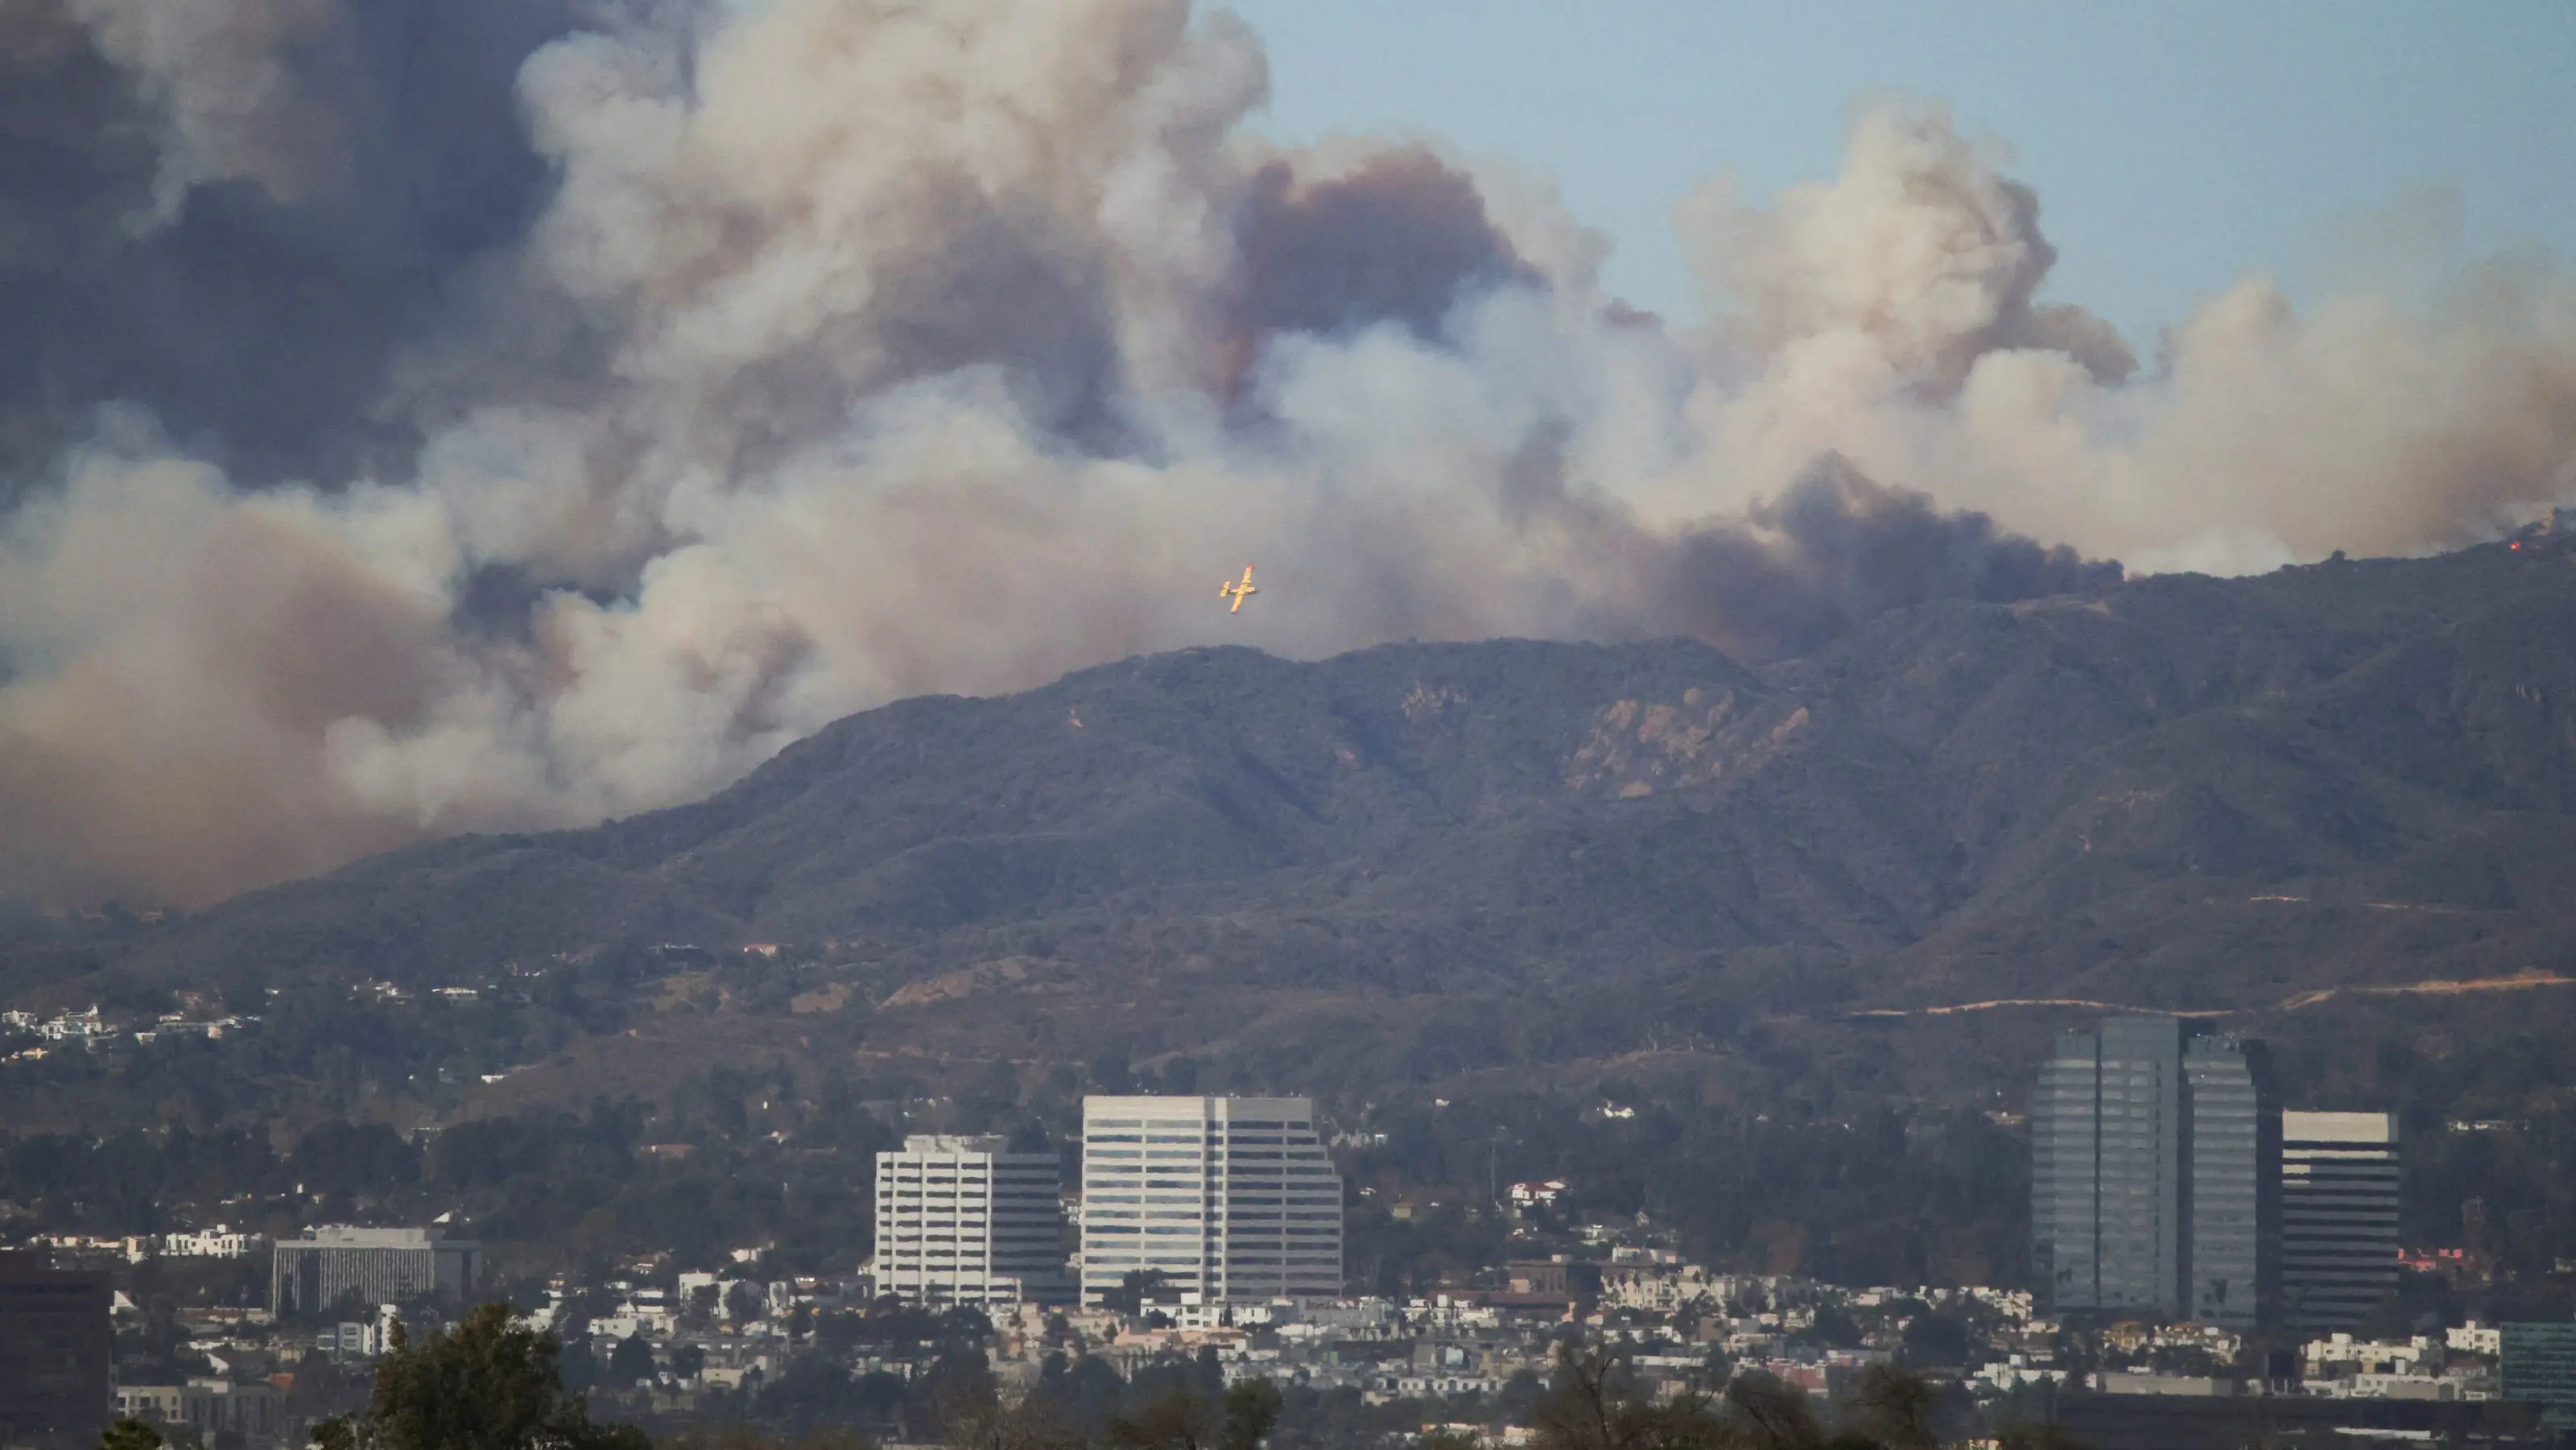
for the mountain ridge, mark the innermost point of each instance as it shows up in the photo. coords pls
(2096, 796)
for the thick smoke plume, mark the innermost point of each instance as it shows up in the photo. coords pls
(430, 415)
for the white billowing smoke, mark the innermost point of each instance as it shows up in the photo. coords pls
(1919, 260)
(850, 351)
(1889, 316)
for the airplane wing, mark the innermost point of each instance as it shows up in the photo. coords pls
(1237, 591)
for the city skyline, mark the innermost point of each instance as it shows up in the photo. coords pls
(1286, 725)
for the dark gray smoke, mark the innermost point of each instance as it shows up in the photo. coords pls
(1837, 549)
(429, 415)
(241, 239)
(1395, 240)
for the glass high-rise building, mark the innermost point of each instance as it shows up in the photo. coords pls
(2106, 1172)
(2153, 1168)
(1224, 1200)
(2539, 1364)
(2338, 1218)
(2231, 1182)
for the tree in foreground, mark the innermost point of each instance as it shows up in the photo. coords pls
(130, 1434)
(752, 1437)
(1597, 1404)
(487, 1384)
(1030, 1424)
(1183, 1419)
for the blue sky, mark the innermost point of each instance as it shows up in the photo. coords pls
(2174, 146)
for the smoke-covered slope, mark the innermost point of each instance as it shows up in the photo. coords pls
(2185, 790)
(422, 417)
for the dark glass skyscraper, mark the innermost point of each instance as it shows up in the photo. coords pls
(57, 1355)
(2338, 1217)
(2540, 1366)
(2154, 1186)
(2232, 1182)
(2106, 1208)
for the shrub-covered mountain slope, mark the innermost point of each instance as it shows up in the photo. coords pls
(2186, 791)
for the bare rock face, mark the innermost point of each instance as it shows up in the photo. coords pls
(1640, 748)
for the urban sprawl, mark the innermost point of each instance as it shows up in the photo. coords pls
(2202, 1255)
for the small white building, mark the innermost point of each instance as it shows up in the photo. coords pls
(2368, 1356)
(219, 1242)
(2475, 1338)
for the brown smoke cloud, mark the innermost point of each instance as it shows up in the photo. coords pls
(433, 415)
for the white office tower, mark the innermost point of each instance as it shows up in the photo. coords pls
(2338, 1217)
(1228, 1200)
(964, 1221)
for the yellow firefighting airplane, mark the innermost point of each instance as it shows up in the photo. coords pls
(1238, 592)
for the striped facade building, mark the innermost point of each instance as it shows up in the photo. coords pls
(2338, 1217)
(337, 1265)
(2232, 1216)
(966, 1221)
(1221, 1200)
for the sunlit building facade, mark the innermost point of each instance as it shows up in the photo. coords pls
(966, 1221)
(1215, 1200)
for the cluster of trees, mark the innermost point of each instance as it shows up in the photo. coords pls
(487, 1384)
(340, 1048)
(491, 1384)
(579, 1183)
(941, 1351)
(1595, 1405)
(1872, 1194)
(956, 1401)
